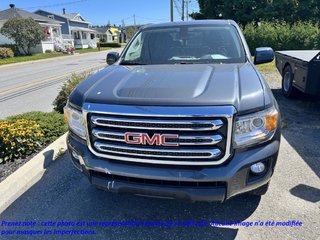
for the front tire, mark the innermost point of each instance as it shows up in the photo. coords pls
(288, 90)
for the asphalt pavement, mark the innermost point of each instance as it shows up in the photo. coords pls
(64, 194)
(32, 86)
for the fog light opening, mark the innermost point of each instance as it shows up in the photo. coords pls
(258, 168)
(76, 160)
(76, 155)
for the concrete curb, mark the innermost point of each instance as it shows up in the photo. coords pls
(29, 174)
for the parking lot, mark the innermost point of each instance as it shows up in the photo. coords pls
(63, 194)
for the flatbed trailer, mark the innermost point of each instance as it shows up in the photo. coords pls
(300, 70)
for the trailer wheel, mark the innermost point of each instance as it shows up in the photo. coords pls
(288, 89)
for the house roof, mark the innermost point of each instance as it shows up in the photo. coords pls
(82, 29)
(16, 12)
(70, 16)
(102, 30)
(73, 17)
(114, 30)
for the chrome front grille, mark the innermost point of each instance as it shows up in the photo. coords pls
(156, 152)
(182, 140)
(174, 124)
(202, 135)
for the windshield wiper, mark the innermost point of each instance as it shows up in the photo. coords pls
(131, 63)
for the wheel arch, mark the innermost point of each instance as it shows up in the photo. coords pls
(284, 67)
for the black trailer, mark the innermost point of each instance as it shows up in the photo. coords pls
(300, 70)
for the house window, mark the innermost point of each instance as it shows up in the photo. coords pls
(92, 36)
(84, 35)
(51, 16)
(76, 35)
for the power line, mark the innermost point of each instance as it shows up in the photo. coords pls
(56, 5)
(155, 19)
(119, 21)
(135, 17)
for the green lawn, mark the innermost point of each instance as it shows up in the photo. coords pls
(30, 58)
(267, 67)
(87, 50)
(47, 55)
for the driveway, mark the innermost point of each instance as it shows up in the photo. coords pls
(63, 194)
(32, 86)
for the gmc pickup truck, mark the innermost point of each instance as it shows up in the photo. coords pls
(181, 113)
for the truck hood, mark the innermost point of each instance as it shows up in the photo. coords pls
(176, 85)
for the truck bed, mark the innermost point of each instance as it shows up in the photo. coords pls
(304, 55)
(305, 68)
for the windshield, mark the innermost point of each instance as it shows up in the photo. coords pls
(185, 45)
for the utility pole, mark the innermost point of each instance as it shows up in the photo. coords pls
(134, 22)
(171, 10)
(182, 11)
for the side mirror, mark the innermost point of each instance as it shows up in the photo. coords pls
(263, 55)
(112, 57)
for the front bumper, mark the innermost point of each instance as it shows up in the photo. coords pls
(196, 183)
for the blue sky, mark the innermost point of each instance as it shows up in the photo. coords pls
(102, 11)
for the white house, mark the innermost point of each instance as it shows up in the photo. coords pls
(74, 27)
(104, 34)
(51, 28)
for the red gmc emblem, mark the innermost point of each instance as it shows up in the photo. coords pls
(156, 139)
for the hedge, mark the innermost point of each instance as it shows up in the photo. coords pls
(283, 36)
(19, 139)
(24, 134)
(52, 124)
(6, 52)
(113, 45)
(13, 47)
(62, 98)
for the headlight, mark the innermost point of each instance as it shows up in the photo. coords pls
(75, 121)
(255, 128)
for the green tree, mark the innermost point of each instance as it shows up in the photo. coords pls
(131, 30)
(26, 33)
(245, 11)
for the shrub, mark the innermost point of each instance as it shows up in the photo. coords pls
(62, 98)
(113, 44)
(283, 36)
(19, 139)
(48, 51)
(6, 53)
(13, 47)
(52, 124)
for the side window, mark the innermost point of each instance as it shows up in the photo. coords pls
(134, 52)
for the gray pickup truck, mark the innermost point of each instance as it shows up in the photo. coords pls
(181, 113)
